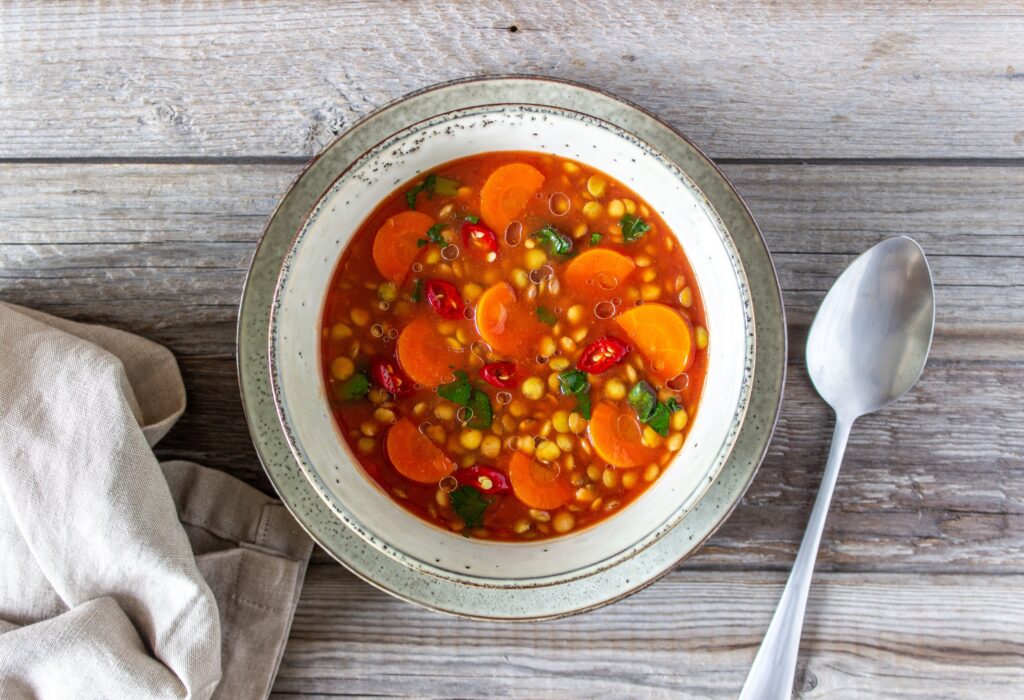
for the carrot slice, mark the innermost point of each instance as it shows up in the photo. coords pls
(414, 455)
(597, 272)
(424, 354)
(662, 335)
(615, 433)
(394, 246)
(508, 326)
(537, 485)
(506, 192)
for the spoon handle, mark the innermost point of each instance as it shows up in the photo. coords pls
(771, 675)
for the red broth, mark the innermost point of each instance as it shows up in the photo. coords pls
(514, 346)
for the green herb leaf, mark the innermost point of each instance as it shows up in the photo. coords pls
(643, 399)
(417, 290)
(633, 227)
(462, 392)
(546, 316)
(470, 505)
(433, 235)
(457, 391)
(480, 404)
(574, 382)
(421, 242)
(659, 420)
(556, 242)
(595, 238)
(355, 387)
(473, 219)
(673, 406)
(429, 184)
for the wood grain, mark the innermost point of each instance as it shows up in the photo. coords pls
(759, 79)
(162, 249)
(933, 484)
(692, 635)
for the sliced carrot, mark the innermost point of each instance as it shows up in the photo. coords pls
(414, 455)
(424, 354)
(597, 272)
(615, 433)
(505, 324)
(394, 246)
(506, 192)
(662, 335)
(538, 485)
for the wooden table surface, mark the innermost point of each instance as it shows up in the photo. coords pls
(142, 149)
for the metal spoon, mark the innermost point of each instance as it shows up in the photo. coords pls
(867, 346)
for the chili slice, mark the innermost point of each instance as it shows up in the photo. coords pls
(602, 354)
(487, 480)
(389, 377)
(445, 299)
(500, 374)
(480, 238)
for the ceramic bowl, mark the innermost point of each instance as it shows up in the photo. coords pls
(300, 396)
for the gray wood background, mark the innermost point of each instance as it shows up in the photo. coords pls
(142, 148)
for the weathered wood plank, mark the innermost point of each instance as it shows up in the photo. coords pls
(933, 484)
(833, 79)
(690, 635)
(162, 249)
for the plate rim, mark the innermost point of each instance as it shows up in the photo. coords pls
(248, 360)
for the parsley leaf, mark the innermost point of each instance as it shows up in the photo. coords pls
(556, 242)
(433, 235)
(659, 420)
(355, 387)
(470, 505)
(462, 392)
(417, 290)
(473, 219)
(480, 404)
(643, 399)
(673, 406)
(633, 227)
(432, 183)
(457, 391)
(595, 238)
(574, 382)
(546, 316)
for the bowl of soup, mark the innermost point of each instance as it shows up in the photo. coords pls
(511, 345)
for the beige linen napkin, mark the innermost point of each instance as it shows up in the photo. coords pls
(121, 577)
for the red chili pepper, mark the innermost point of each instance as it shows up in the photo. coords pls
(444, 297)
(500, 374)
(488, 480)
(602, 354)
(390, 378)
(479, 237)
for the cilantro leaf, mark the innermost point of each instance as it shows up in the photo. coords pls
(470, 505)
(673, 406)
(457, 391)
(659, 420)
(417, 290)
(546, 316)
(633, 227)
(643, 399)
(595, 238)
(432, 183)
(556, 242)
(355, 387)
(574, 382)
(473, 219)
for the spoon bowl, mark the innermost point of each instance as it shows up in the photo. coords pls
(870, 338)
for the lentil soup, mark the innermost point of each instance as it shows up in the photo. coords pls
(526, 351)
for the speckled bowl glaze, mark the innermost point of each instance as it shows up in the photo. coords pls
(284, 397)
